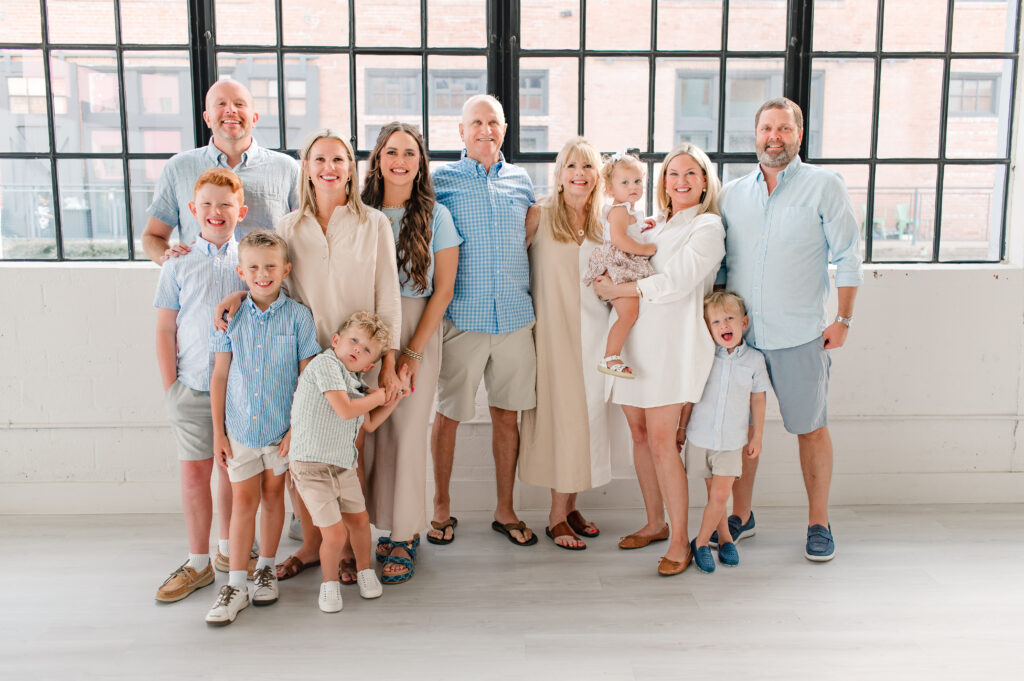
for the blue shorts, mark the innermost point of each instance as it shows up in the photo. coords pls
(799, 377)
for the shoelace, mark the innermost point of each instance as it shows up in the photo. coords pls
(227, 592)
(263, 577)
(179, 571)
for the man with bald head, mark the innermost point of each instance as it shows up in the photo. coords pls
(488, 326)
(270, 179)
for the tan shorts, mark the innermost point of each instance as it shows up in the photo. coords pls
(245, 462)
(506, 361)
(704, 463)
(327, 491)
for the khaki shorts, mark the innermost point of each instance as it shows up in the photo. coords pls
(327, 491)
(188, 411)
(246, 462)
(506, 361)
(704, 463)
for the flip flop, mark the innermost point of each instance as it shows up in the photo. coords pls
(452, 522)
(507, 528)
(579, 525)
(563, 530)
(292, 566)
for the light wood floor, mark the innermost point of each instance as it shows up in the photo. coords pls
(915, 592)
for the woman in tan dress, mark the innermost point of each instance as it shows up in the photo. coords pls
(395, 456)
(566, 442)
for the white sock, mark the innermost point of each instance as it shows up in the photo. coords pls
(198, 561)
(256, 545)
(222, 546)
(236, 578)
(266, 561)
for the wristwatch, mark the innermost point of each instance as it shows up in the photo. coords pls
(844, 320)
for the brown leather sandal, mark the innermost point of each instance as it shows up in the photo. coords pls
(580, 525)
(347, 569)
(508, 528)
(452, 522)
(563, 530)
(292, 566)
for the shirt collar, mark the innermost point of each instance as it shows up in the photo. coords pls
(220, 157)
(740, 350)
(341, 365)
(208, 248)
(274, 306)
(791, 169)
(479, 167)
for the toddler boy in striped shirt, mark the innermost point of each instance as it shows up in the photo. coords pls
(256, 367)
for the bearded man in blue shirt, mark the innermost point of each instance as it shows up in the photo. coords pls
(784, 222)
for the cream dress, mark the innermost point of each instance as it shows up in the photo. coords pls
(669, 347)
(566, 442)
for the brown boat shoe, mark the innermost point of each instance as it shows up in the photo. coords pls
(221, 562)
(184, 581)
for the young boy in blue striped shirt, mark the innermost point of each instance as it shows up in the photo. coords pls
(258, 359)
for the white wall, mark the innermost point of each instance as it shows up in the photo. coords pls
(926, 398)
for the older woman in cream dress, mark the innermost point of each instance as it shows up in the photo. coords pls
(566, 441)
(670, 346)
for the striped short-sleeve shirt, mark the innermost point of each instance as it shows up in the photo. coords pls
(266, 347)
(318, 434)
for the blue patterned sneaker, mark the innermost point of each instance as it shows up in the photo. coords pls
(728, 555)
(820, 546)
(737, 529)
(702, 557)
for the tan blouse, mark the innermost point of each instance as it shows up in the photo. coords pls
(353, 267)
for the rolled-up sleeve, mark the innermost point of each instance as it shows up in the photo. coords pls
(386, 290)
(690, 265)
(842, 233)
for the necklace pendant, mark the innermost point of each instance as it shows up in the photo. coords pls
(579, 232)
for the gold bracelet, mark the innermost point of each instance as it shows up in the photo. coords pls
(639, 293)
(412, 354)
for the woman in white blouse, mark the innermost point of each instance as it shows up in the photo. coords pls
(669, 347)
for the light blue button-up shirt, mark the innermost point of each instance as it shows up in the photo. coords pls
(266, 347)
(442, 236)
(777, 250)
(193, 284)
(270, 182)
(719, 421)
(492, 286)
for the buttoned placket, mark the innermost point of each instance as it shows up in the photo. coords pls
(720, 404)
(261, 353)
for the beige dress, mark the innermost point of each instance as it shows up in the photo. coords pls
(565, 444)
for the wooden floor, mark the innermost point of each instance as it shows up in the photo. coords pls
(915, 592)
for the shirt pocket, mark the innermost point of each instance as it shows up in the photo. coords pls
(285, 349)
(800, 224)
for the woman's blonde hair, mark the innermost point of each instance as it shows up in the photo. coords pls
(709, 200)
(307, 195)
(554, 205)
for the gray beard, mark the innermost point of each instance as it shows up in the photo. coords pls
(780, 161)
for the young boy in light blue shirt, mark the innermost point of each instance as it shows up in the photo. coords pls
(718, 430)
(256, 368)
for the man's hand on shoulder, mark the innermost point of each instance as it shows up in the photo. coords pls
(835, 335)
(176, 251)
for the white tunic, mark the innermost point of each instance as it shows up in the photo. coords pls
(669, 347)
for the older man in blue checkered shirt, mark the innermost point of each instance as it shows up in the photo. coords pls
(488, 329)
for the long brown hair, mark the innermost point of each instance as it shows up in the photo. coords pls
(413, 247)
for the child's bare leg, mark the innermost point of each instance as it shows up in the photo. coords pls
(223, 503)
(197, 504)
(358, 526)
(310, 548)
(627, 310)
(719, 488)
(272, 514)
(334, 537)
(245, 500)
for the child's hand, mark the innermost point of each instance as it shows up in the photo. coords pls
(286, 445)
(378, 395)
(680, 437)
(221, 450)
(649, 224)
(753, 448)
(225, 311)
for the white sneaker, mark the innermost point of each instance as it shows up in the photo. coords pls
(330, 596)
(227, 606)
(369, 585)
(295, 529)
(266, 592)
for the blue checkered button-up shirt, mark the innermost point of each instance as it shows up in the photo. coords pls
(193, 284)
(492, 286)
(266, 347)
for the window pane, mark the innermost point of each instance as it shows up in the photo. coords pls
(693, 25)
(23, 101)
(904, 217)
(456, 23)
(143, 174)
(75, 21)
(92, 208)
(622, 25)
(318, 96)
(845, 25)
(908, 108)
(757, 25)
(838, 89)
(159, 102)
(984, 26)
(245, 22)
(387, 24)
(734, 171)
(27, 215)
(19, 22)
(258, 72)
(451, 81)
(315, 22)
(686, 103)
(622, 81)
(388, 88)
(914, 25)
(748, 83)
(86, 83)
(972, 212)
(856, 179)
(558, 88)
(541, 176)
(154, 23)
(550, 24)
(979, 108)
